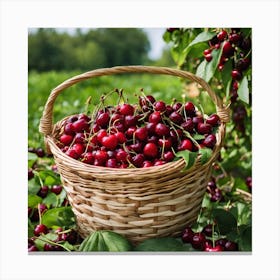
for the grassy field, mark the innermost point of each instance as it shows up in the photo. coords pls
(73, 99)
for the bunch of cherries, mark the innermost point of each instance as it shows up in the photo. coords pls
(234, 46)
(213, 191)
(141, 135)
(69, 235)
(203, 241)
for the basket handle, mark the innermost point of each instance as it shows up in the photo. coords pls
(46, 122)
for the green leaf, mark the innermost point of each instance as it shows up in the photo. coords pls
(34, 200)
(61, 217)
(206, 154)
(245, 242)
(202, 37)
(211, 66)
(32, 158)
(49, 177)
(33, 186)
(201, 69)
(115, 242)
(188, 156)
(43, 239)
(225, 220)
(198, 137)
(50, 200)
(197, 51)
(243, 90)
(226, 74)
(108, 241)
(61, 197)
(164, 244)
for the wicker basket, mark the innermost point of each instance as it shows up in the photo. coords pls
(138, 203)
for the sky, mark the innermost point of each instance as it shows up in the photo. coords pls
(157, 43)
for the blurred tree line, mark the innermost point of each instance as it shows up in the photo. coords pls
(49, 49)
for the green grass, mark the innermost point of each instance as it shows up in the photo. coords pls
(73, 99)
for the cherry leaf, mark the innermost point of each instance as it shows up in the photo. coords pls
(188, 156)
(201, 37)
(206, 154)
(243, 90)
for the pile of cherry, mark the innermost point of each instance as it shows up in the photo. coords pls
(137, 135)
(204, 241)
(235, 45)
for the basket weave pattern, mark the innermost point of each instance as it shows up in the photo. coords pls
(139, 203)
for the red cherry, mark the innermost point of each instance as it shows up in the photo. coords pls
(204, 128)
(137, 147)
(150, 150)
(159, 106)
(66, 139)
(40, 229)
(151, 128)
(207, 51)
(213, 120)
(130, 131)
(130, 120)
(208, 230)
(121, 137)
(88, 158)
(103, 119)
(228, 50)
(141, 133)
(186, 144)
(101, 134)
(110, 142)
(138, 160)
(126, 109)
(166, 144)
(72, 153)
(57, 189)
(231, 246)
(80, 125)
(112, 163)
(162, 129)
(68, 129)
(198, 240)
(101, 156)
(208, 57)
(147, 163)
(209, 141)
(168, 156)
(217, 248)
(188, 125)
(234, 38)
(78, 148)
(187, 235)
(121, 155)
(236, 75)
(177, 106)
(159, 162)
(146, 101)
(176, 117)
(222, 35)
(189, 107)
(155, 117)
(79, 138)
(83, 117)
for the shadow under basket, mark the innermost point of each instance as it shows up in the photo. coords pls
(139, 203)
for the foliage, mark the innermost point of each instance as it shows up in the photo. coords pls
(102, 47)
(189, 49)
